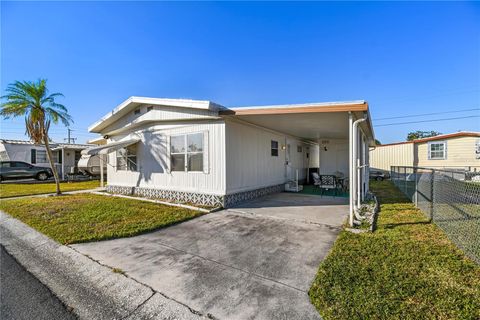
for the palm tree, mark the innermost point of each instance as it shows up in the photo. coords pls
(31, 100)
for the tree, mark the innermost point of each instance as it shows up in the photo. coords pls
(377, 142)
(31, 100)
(421, 134)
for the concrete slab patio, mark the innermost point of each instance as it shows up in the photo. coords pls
(256, 261)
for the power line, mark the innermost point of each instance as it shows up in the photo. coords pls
(426, 97)
(434, 120)
(426, 114)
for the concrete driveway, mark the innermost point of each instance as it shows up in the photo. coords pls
(255, 261)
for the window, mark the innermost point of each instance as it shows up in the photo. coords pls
(274, 147)
(477, 149)
(186, 152)
(4, 156)
(41, 156)
(299, 149)
(19, 164)
(149, 108)
(137, 111)
(127, 158)
(6, 164)
(437, 150)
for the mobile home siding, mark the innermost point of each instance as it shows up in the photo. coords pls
(460, 154)
(249, 162)
(160, 113)
(383, 157)
(153, 160)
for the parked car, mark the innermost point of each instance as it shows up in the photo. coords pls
(22, 170)
(379, 175)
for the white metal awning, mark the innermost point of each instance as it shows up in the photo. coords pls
(109, 147)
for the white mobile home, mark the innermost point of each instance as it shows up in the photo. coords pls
(65, 155)
(202, 152)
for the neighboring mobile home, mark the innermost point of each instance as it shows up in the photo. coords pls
(202, 152)
(460, 150)
(65, 155)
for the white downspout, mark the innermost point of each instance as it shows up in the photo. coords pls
(350, 166)
(353, 183)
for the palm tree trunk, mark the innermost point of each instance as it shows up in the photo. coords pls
(52, 165)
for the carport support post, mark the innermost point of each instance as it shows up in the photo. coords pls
(63, 163)
(101, 170)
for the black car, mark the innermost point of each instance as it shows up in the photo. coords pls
(379, 175)
(22, 170)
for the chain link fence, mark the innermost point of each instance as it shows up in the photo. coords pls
(450, 198)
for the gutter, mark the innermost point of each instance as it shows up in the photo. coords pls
(356, 166)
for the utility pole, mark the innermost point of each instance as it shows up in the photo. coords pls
(70, 139)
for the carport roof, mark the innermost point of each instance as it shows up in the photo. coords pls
(310, 121)
(314, 107)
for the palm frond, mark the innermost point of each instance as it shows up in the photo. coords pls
(31, 100)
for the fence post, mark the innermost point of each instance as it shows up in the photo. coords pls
(432, 192)
(415, 195)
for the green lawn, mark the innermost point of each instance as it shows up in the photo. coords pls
(407, 269)
(89, 217)
(22, 189)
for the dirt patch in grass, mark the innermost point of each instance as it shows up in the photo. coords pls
(23, 189)
(88, 217)
(407, 269)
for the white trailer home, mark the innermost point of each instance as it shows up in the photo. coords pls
(202, 152)
(65, 155)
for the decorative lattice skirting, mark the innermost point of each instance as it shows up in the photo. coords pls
(181, 196)
(128, 191)
(177, 196)
(196, 198)
(236, 198)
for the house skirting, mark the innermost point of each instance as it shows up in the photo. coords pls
(205, 199)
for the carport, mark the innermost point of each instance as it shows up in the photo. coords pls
(328, 127)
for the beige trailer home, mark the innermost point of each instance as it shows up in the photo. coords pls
(460, 150)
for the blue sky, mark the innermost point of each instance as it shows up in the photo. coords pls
(404, 58)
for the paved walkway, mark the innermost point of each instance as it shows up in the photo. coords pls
(256, 261)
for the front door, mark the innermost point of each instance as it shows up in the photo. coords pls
(288, 163)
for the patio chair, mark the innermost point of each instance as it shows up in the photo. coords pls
(328, 182)
(340, 180)
(316, 179)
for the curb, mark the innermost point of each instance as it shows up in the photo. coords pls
(93, 291)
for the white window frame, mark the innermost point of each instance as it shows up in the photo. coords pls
(272, 148)
(430, 144)
(127, 158)
(186, 152)
(37, 158)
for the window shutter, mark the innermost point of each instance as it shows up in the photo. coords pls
(33, 156)
(429, 151)
(206, 165)
(60, 159)
(168, 161)
(445, 150)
